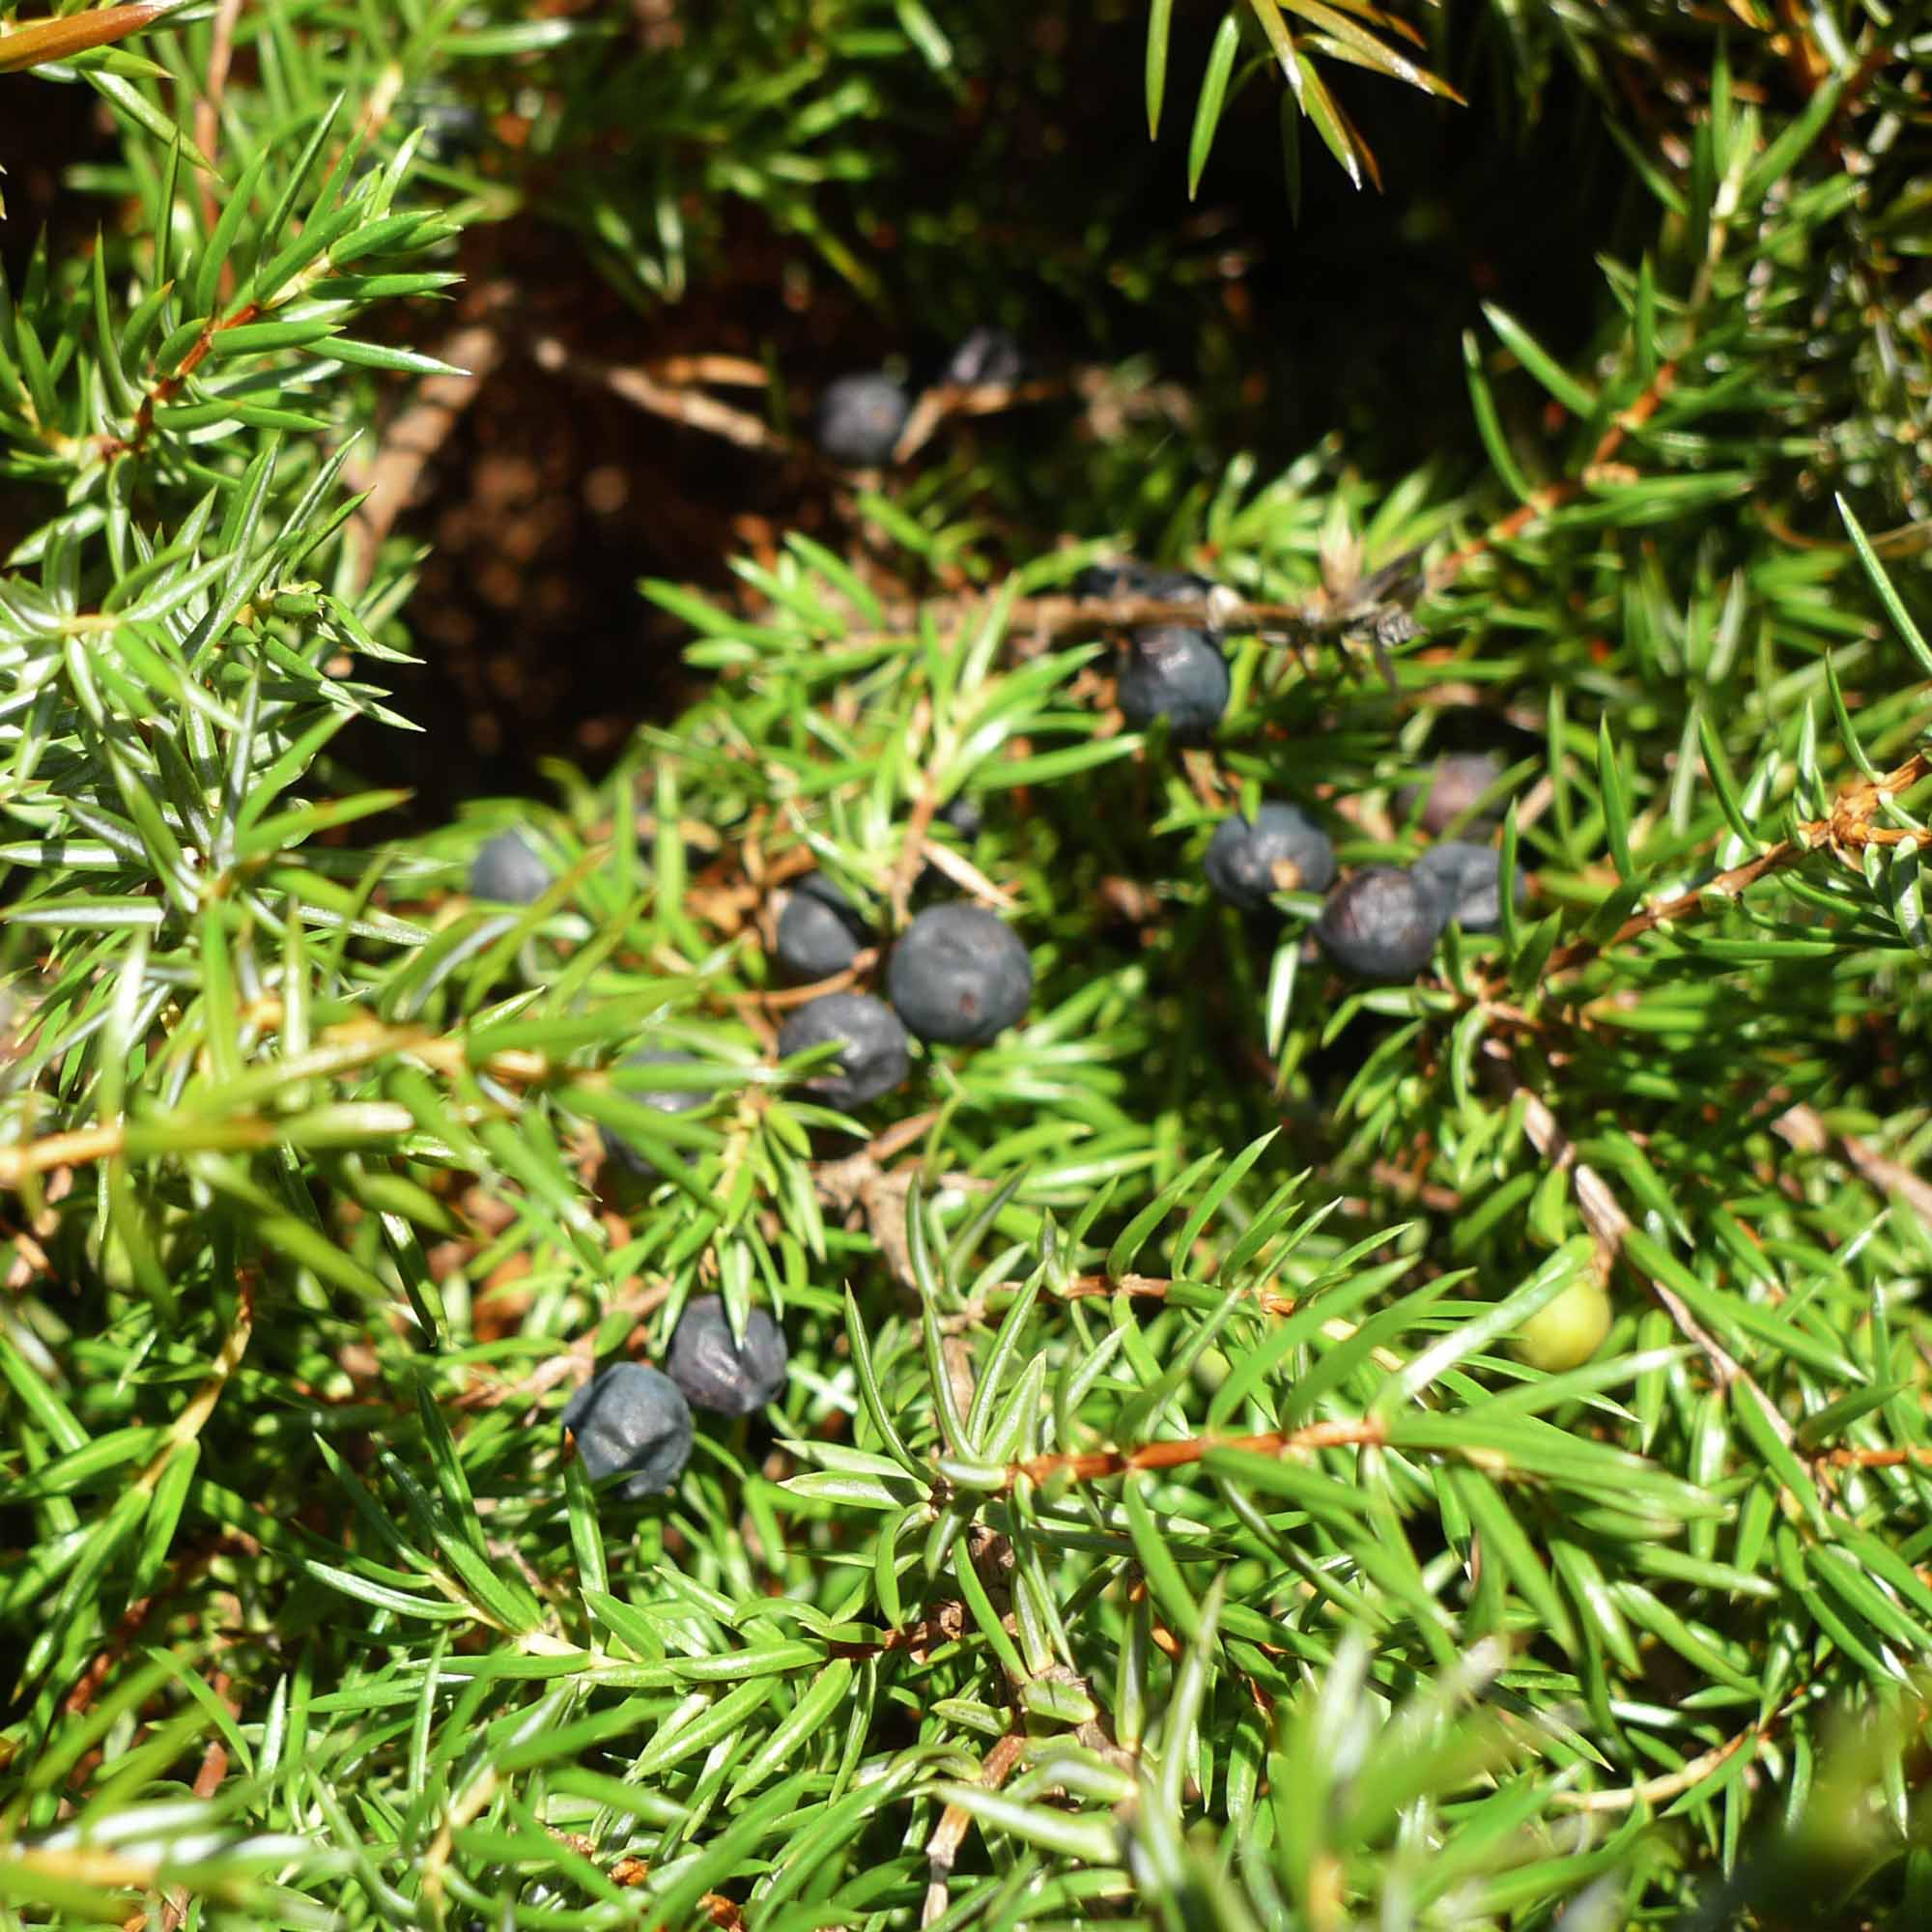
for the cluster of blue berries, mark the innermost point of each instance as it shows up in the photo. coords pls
(957, 976)
(634, 1421)
(1383, 922)
(860, 416)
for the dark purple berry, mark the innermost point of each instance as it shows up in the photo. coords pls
(966, 815)
(717, 1372)
(1382, 923)
(860, 419)
(1124, 577)
(631, 1419)
(453, 130)
(1280, 851)
(820, 930)
(873, 1054)
(960, 973)
(1470, 878)
(987, 355)
(507, 869)
(1174, 672)
(665, 1099)
(1452, 790)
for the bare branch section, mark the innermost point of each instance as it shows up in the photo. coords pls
(409, 443)
(1604, 1215)
(1662, 1789)
(1847, 829)
(1097, 1465)
(964, 399)
(1805, 1129)
(644, 390)
(207, 110)
(942, 1848)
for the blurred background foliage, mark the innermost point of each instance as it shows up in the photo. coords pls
(806, 188)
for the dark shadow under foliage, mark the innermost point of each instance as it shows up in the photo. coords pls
(545, 502)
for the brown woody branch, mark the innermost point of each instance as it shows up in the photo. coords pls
(1553, 496)
(1805, 1129)
(956, 1821)
(207, 110)
(168, 388)
(409, 443)
(1846, 829)
(1604, 1216)
(1097, 1465)
(1662, 1789)
(678, 404)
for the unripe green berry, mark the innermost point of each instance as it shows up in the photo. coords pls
(1565, 1333)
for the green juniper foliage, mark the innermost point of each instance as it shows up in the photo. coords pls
(1260, 1449)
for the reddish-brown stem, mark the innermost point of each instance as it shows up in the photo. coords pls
(1097, 1465)
(169, 387)
(1554, 496)
(1875, 1458)
(1846, 828)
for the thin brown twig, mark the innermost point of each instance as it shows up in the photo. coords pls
(409, 443)
(207, 110)
(967, 877)
(778, 998)
(955, 1822)
(168, 388)
(1097, 1465)
(1662, 1789)
(1805, 1129)
(689, 407)
(1847, 828)
(964, 399)
(1915, 1453)
(728, 371)
(1604, 1216)
(912, 850)
(1727, 885)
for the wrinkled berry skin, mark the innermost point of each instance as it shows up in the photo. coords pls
(820, 930)
(860, 419)
(1176, 674)
(960, 975)
(667, 1100)
(874, 1059)
(987, 355)
(1470, 878)
(1457, 782)
(721, 1374)
(631, 1419)
(1382, 923)
(1124, 577)
(1282, 851)
(508, 870)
